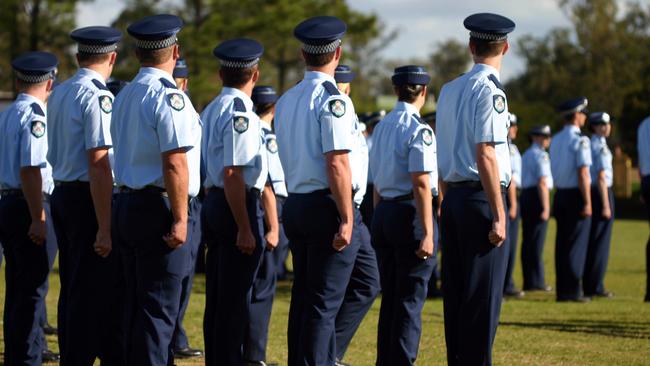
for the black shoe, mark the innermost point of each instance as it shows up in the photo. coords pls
(49, 330)
(516, 294)
(581, 299)
(49, 356)
(604, 294)
(339, 363)
(187, 352)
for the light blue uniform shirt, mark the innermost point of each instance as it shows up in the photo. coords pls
(359, 164)
(515, 163)
(643, 147)
(79, 120)
(234, 137)
(569, 151)
(276, 174)
(472, 109)
(23, 142)
(312, 119)
(536, 164)
(601, 157)
(369, 143)
(150, 117)
(403, 144)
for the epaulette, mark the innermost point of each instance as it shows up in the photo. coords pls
(266, 131)
(37, 109)
(167, 83)
(99, 84)
(496, 82)
(331, 88)
(418, 118)
(239, 105)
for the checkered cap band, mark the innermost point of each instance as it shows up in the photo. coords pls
(239, 64)
(321, 48)
(96, 48)
(157, 44)
(488, 36)
(34, 79)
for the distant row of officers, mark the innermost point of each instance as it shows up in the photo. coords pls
(137, 179)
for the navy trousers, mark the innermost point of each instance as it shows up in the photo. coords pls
(154, 275)
(281, 253)
(229, 279)
(321, 277)
(473, 273)
(396, 235)
(179, 340)
(26, 269)
(533, 238)
(368, 205)
(260, 309)
(571, 243)
(645, 192)
(52, 247)
(511, 243)
(600, 238)
(362, 289)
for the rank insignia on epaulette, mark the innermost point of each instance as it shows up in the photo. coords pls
(272, 145)
(106, 103)
(427, 137)
(176, 101)
(38, 129)
(240, 124)
(337, 107)
(499, 102)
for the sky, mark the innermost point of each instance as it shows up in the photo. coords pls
(422, 24)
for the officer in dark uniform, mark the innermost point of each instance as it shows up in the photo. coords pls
(237, 172)
(24, 175)
(474, 163)
(643, 147)
(157, 138)
(570, 161)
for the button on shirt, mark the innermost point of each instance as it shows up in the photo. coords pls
(80, 111)
(515, 163)
(601, 157)
(311, 120)
(151, 116)
(472, 109)
(276, 174)
(643, 147)
(23, 142)
(569, 151)
(359, 164)
(536, 164)
(234, 137)
(402, 145)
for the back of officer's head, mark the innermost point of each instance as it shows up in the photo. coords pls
(408, 93)
(27, 87)
(238, 77)
(322, 59)
(155, 57)
(482, 48)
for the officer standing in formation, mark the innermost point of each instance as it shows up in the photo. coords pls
(570, 162)
(602, 201)
(474, 163)
(536, 185)
(643, 147)
(512, 199)
(25, 177)
(404, 170)
(237, 172)
(157, 136)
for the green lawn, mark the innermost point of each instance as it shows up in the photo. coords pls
(533, 331)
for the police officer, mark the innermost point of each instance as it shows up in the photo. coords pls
(474, 163)
(643, 147)
(570, 161)
(237, 173)
(315, 131)
(403, 166)
(512, 198)
(536, 185)
(156, 137)
(602, 201)
(80, 111)
(24, 175)
(363, 287)
(368, 205)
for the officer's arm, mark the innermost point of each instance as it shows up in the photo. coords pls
(544, 197)
(101, 189)
(584, 183)
(442, 188)
(176, 178)
(270, 217)
(339, 177)
(234, 186)
(488, 170)
(512, 198)
(32, 185)
(423, 199)
(604, 193)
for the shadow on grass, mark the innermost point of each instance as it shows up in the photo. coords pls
(618, 329)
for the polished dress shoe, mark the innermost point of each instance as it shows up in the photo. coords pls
(604, 294)
(515, 294)
(339, 363)
(187, 352)
(49, 356)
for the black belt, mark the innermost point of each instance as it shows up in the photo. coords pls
(473, 184)
(145, 189)
(405, 197)
(253, 190)
(72, 184)
(11, 192)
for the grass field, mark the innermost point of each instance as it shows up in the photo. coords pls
(533, 331)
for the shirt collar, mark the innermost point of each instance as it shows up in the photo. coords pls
(239, 94)
(572, 128)
(317, 75)
(408, 107)
(487, 69)
(23, 97)
(92, 74)
(265, 124)
(157, 72)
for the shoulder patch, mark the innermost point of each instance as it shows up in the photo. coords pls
(337, 107)
(167, 83)
(176, 101)
(584, 143)
(37, 129)
(240, 124)
(99, 85)
(499, 103)
(272, 145)
(496, 82)
(331, 88)
(239, 105)
(418, 118)
(106, 103)
(427, 137)
(37, 109)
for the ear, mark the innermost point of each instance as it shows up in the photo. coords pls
(506, 48)
(49, 85)
(177, 52)
(424, 91)
(77, 58)
(256, 76)
(337, 54)
(302, 54)
(113, 59)
(472, 47)
(221, 74)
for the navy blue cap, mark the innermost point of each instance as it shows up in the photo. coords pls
(35, 66)
(321, 34)
(180, 69)
(240, 53)
(410, 74)
(155, 32)
(264, 94)
(96, 39)
(488, 26)
(115, 86)
(343, 74)
(598, 118)
(574, 105)
(540, 130)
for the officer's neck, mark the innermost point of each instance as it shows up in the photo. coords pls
(167, 66)
(267, 117)
(102, 69)
(39, 92)
(490, 61)
(329, 69)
